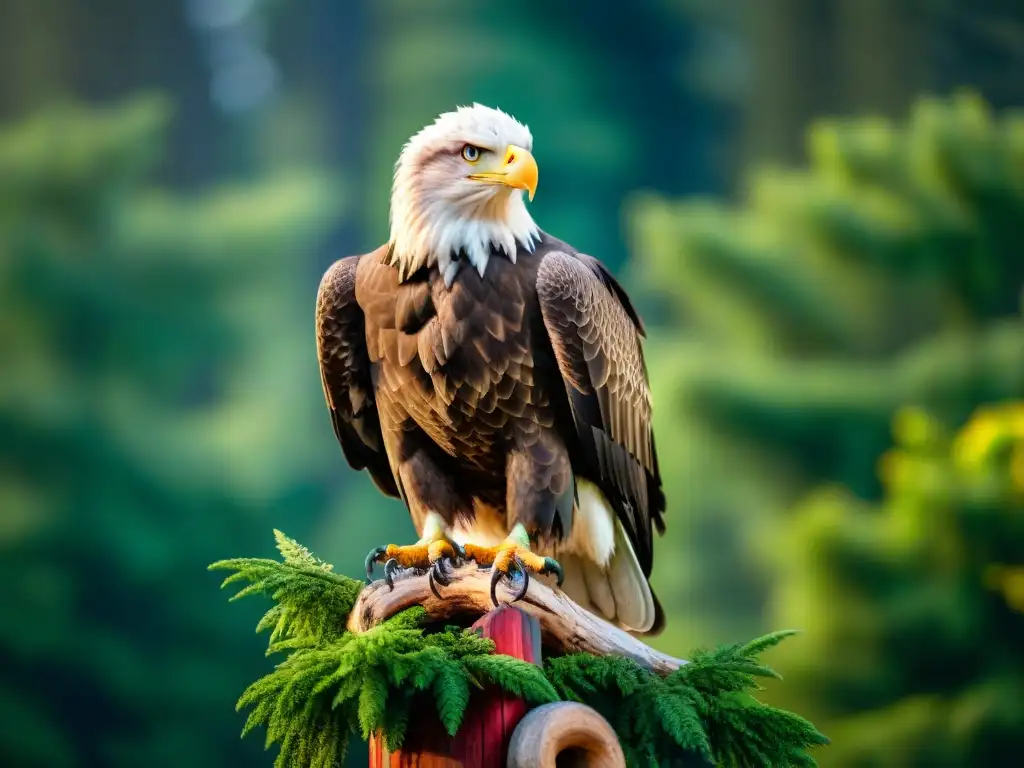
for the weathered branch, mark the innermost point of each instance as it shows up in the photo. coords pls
(565, 625)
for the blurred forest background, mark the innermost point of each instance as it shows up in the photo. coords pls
(818, 204)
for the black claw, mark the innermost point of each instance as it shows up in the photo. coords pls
(437, 574)
(496, 575)
(433, 586)
(495, 578)
(551, 566)
(372, 558)
(460, 551)
(440, 574)
(526, 581)
(391, 567)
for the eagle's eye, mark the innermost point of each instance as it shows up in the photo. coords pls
(470, 153)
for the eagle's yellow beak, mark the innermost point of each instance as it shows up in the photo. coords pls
(518, 170)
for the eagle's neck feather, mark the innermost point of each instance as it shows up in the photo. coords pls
(426, 231)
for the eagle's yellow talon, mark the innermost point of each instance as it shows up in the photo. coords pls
(510, 557)
(482, 556)
(439, 550)
(429, 554)
(412, 556)
(396, 558)
(534, 562)
(504, 559)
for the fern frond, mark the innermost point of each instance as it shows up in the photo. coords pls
(461, 643)
(581, 673)
(748, 732)
(763, 643)
(296, 554)
(410, 618)
(345, 668)
(417, 667)
(324, 750)
(259, 714)
(451, 694)
(291, 644)
(396, 720)
(700, 708)
(349, 688)
(373, 699)
(680, 721)
(310, 600)
(318, 741)
(518, 677)
(266, 687)
(568, 676)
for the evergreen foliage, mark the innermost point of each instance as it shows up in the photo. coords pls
(310, 601)
(703, 707)
(334, 684)
(931, 586)
(129, 452)
(886, 273)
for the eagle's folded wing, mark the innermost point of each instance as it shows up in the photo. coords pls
(595, 334)
(345, 374)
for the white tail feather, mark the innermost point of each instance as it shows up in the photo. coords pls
(599, 589)
(601, 570)
(634, 603)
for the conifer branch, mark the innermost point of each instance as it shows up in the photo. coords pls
(310, 600)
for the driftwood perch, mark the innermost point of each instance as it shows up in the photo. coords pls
(564, 625)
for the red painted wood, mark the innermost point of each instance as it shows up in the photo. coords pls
(491, 716)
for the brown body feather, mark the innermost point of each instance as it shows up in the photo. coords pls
(497, 393)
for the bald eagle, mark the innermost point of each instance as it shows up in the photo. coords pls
(492, 378)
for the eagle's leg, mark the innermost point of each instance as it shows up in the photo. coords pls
(539, 497)
(513, 556)
(430, 553)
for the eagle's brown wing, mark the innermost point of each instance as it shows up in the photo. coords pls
(595, 334)
(345, 374)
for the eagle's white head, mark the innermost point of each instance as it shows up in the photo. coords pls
(459, 186)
